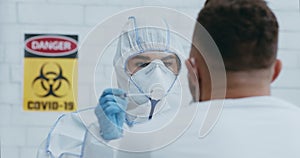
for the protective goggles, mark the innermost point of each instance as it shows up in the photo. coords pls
(138, 61)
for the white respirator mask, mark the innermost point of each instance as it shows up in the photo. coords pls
(155, 81)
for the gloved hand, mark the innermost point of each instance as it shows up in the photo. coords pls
(111, 111)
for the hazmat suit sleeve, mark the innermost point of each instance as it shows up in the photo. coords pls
(69, 138)
(65, 137)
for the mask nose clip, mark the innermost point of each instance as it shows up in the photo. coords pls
(157, 62)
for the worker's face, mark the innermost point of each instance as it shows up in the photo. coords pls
(141, 60)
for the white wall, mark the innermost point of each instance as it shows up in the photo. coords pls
(21, 132)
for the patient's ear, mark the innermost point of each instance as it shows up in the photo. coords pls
(193, 78)
(192, 70)
(277, 69)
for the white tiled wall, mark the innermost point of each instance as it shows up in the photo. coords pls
(22, 132)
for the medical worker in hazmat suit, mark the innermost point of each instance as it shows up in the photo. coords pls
(147, 63)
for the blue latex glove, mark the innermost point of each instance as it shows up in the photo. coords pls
(111, 112)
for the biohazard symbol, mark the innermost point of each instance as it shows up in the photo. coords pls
(51, 81)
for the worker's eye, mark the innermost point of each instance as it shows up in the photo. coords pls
(142, 64)
(170, 62)
(167, 64)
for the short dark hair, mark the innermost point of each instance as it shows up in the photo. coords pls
(245, 31)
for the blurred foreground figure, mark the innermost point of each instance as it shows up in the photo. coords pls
(252, 123)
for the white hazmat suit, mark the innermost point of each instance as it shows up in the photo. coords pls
(77, 134)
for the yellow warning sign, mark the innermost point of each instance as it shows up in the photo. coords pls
(50, 82)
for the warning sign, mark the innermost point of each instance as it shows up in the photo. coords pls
(50, 72)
